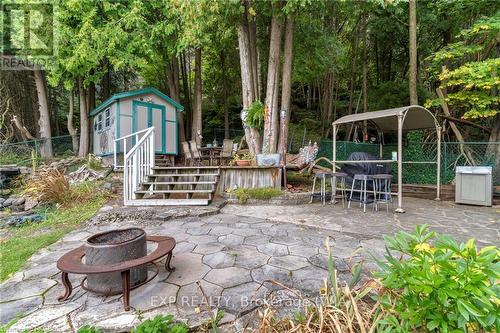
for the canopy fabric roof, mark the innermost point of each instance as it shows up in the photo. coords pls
(415, 117)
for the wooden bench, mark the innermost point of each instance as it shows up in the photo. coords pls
(72, 263)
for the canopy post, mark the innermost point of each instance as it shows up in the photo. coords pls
(400, 164)
(438, 164)
(334, 148)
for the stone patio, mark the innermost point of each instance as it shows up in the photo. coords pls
(236, 255)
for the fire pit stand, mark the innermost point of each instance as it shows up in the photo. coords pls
(72, 263)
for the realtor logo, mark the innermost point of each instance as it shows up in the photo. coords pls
(27, 34)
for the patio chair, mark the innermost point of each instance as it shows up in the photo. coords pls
(196, 154)
(227, 151)
(188, 157)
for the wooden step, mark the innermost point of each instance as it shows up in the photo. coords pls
(183, 174)
(173, 191)
(181, 183)
(187, 168)
(169, 202)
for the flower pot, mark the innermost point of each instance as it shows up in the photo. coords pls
(243, 162)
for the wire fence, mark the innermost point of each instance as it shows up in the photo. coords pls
(27, 153)
(453, 154)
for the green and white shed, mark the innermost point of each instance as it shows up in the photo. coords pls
(129, 112)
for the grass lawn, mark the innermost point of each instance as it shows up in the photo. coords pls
(22, 242)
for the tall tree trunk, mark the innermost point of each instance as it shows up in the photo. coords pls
(84, 120)
(173, 87)
(71, 129)
(365, 75)
(187, 95)
(254, 58)
(222, 57)
(353, 69)
(91, 97)
(197, 117)
(270, 136)
(252, 135)
(412, 73)
(43, 110)
(286, 85)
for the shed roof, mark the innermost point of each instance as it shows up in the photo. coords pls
(415, 117)
(132, 93)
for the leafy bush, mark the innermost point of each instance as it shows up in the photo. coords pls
(88, 329)
(161, 324)
(255, 115)
(439, 285)
(265, 193)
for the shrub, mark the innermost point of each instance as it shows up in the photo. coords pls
(265, 193)
(439, 285)
(161, 324)
(88, 329)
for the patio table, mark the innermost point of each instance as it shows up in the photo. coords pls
(212, 152)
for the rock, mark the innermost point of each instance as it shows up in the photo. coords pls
(30, 203)
(18, 202)
(108, 186)
(8, 202)
(2, 200)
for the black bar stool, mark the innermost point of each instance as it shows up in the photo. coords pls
(343, 191)
(363, 198)
(322, 193)
(382, 186)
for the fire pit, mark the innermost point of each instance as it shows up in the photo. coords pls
(115, 262)
(112, 247)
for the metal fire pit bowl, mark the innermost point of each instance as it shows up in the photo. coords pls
(113, 247)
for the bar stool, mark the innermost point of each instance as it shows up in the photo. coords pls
(363, 193)
(343, 191)
(382, 186)
(322, 194)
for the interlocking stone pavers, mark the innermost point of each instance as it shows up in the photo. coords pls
(298, 236)
(153, 295)
(248, 257)
(302, 250)
(208, 248)
(273, 249)
(228, 277)
(289, 262)
(231, 240)
(219, 260)
(191, 295)
(188, 269)
(243, 297)
(267, 273)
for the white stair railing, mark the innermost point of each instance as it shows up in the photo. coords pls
(118, 142)
(138, 164)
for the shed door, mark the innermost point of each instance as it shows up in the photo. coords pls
(146, 115)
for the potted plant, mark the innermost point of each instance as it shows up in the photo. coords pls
(242, 159)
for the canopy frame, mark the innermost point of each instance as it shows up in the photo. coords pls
(384, 119)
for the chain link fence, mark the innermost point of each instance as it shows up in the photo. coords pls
(28, 153)
(453, 154)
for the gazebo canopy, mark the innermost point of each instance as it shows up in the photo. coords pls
(415, 117)
(398, 120)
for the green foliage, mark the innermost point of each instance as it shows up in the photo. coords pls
(439, 285)
(265, 193)
(161, 324)
(255, 115)
(88, 329)
(469, 71)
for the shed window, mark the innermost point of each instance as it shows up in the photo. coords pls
(107, 118)
(99, 122)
